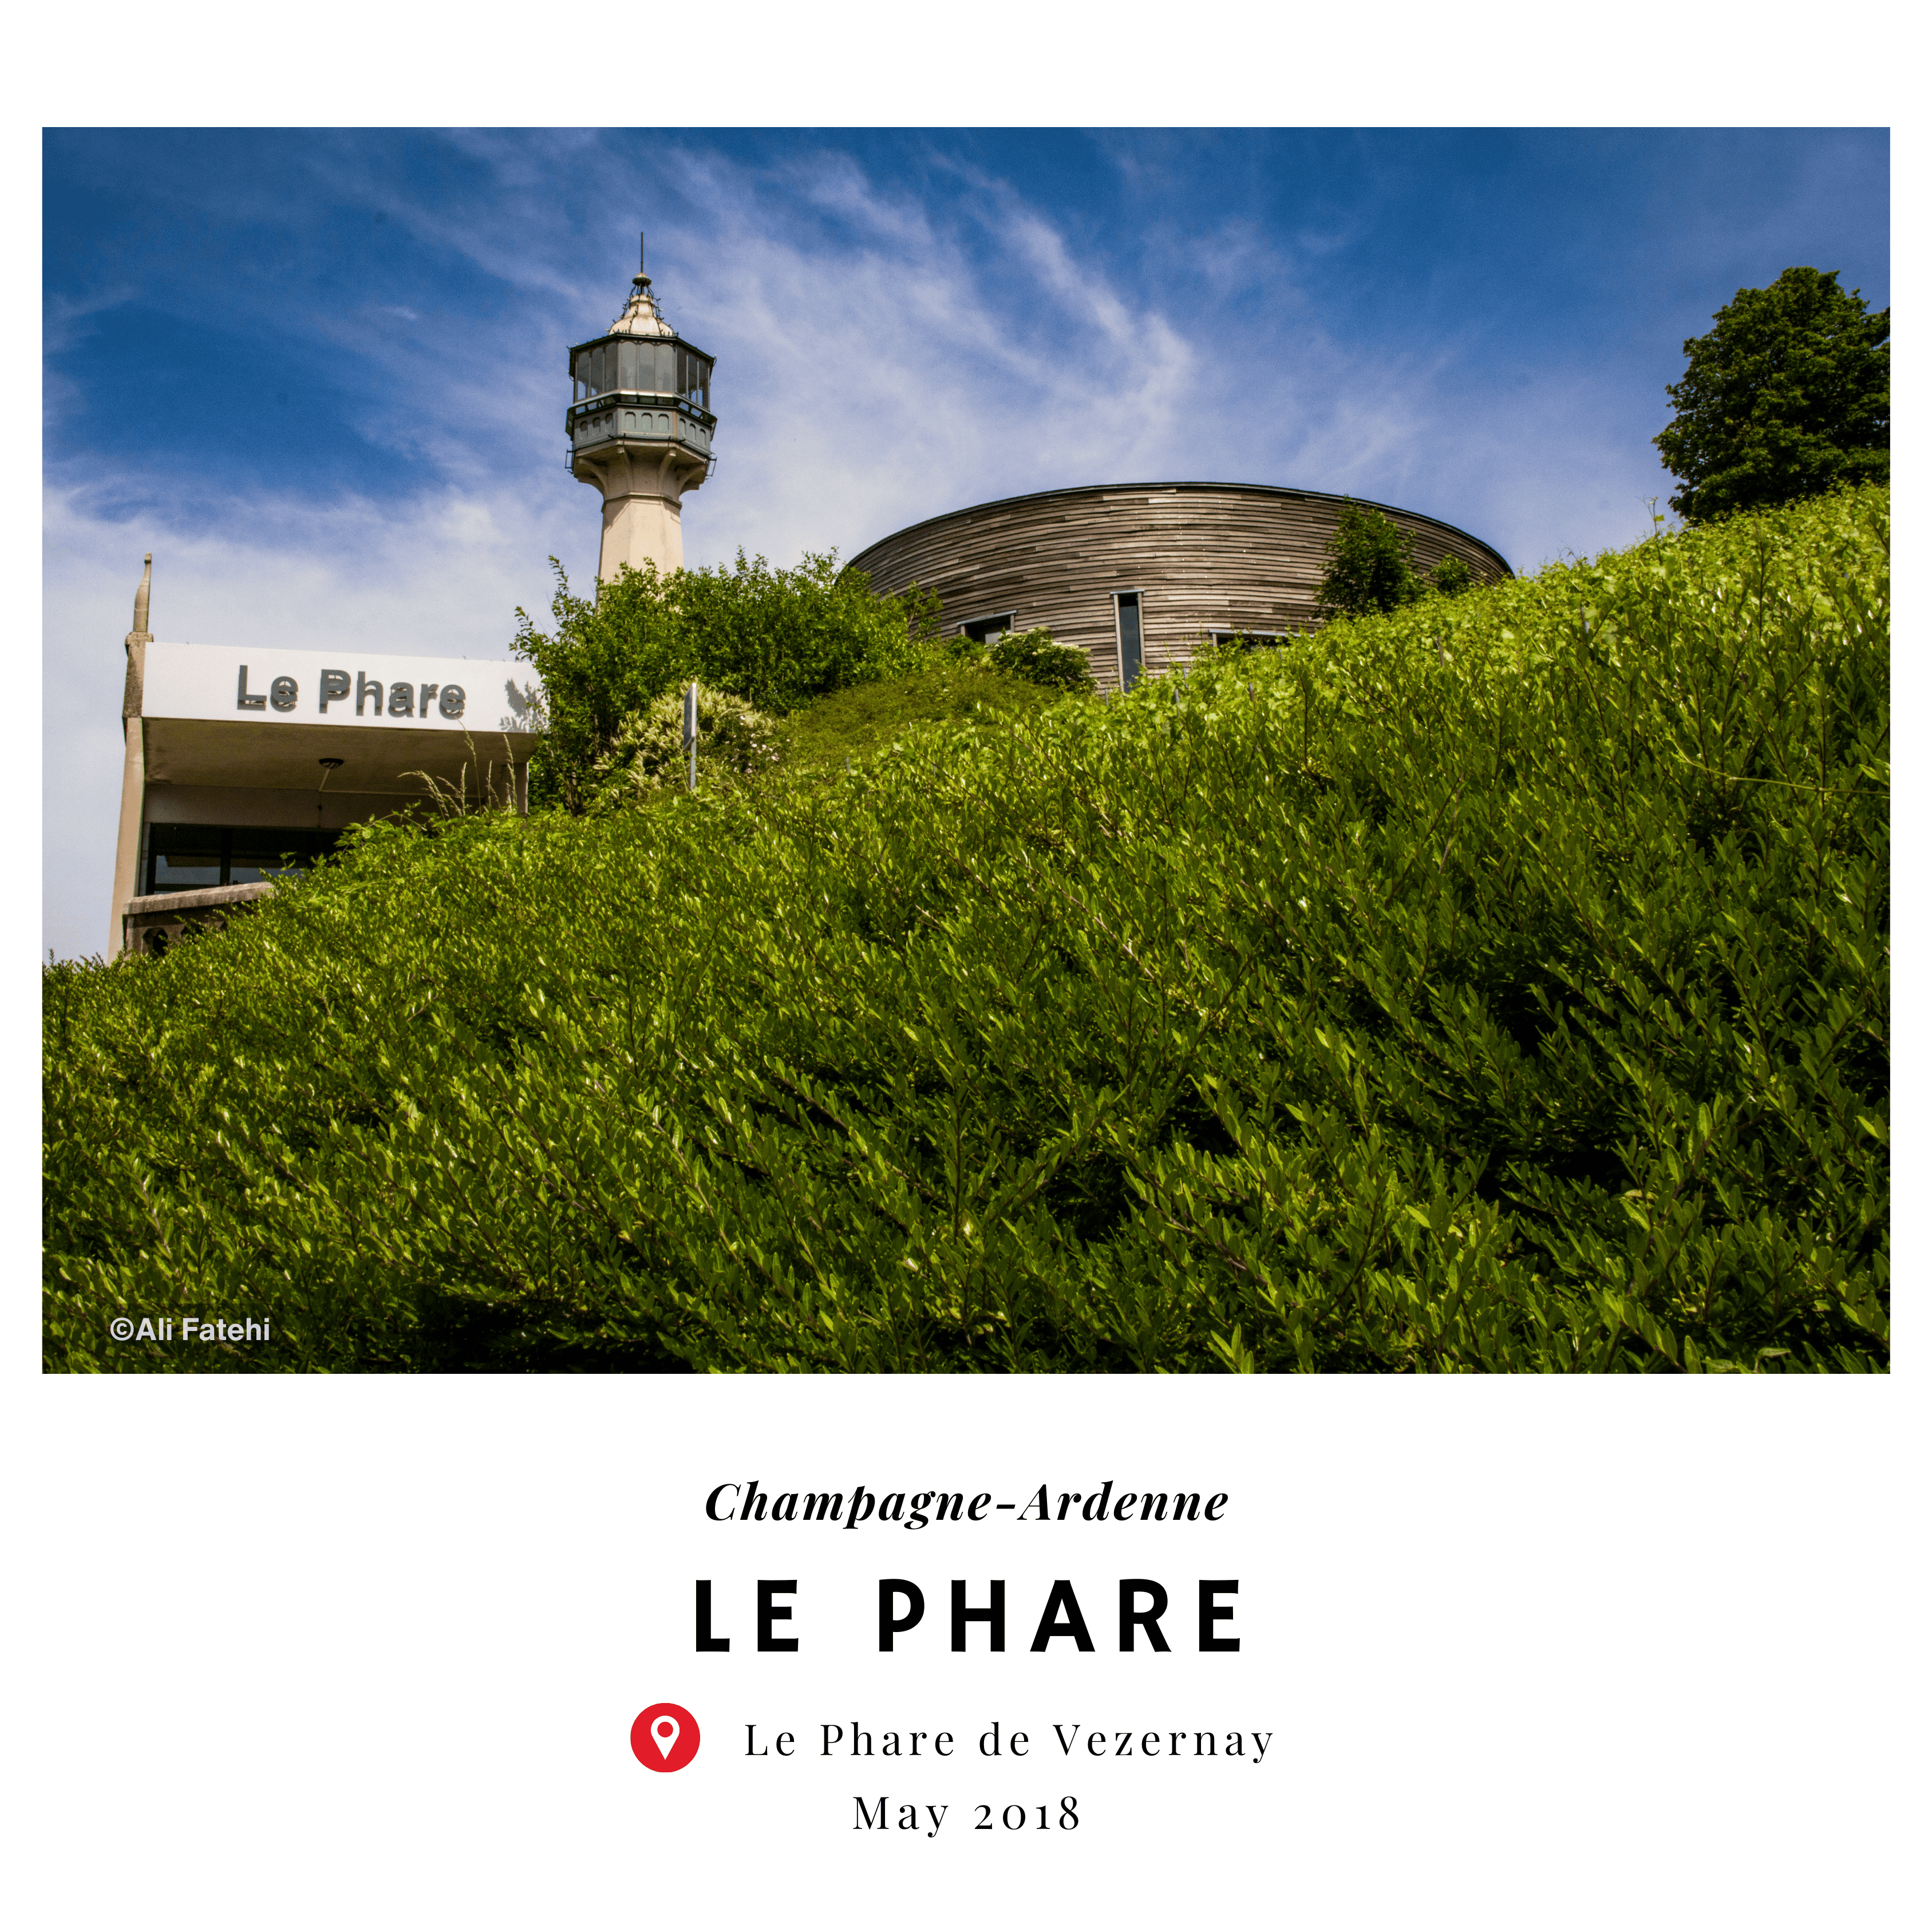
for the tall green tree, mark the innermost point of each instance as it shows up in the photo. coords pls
(1789, 395)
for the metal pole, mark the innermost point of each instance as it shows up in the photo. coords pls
(691, 729)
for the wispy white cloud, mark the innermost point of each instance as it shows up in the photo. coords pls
(883, 357)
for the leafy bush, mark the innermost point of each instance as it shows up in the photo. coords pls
(775, 638)
(648, 754)
(1370, 568)
(1034, 656)
(1499, 984)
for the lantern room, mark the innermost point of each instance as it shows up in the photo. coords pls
(640, 426)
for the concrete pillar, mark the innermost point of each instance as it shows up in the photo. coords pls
(643, 485)
(133, 764)
(128, 847)
(643, 515)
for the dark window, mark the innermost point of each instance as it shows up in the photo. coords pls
(1253, 639)
(254, 856)
(185, 858)
(988, 630)
(182, 857)
(1127, 608)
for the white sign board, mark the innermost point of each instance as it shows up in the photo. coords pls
(373, 690)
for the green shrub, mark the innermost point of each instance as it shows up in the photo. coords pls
(1501, 984)
(776, 639)
(1034, 656)
(1369, 568)
(648, 754)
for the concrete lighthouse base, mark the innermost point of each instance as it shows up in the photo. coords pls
(642, 485)
(639, 530)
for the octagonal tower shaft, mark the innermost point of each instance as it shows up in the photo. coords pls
(640, 427)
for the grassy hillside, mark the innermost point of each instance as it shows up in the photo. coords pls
(864, 720)
(1500, 984)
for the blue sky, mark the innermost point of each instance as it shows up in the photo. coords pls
(321, 375)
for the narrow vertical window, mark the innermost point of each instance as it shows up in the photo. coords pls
(1127, 614)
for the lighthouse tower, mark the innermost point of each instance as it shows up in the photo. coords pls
(639, 425)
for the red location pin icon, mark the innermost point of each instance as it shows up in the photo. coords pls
(665, 1738)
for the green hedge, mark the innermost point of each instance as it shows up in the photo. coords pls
(1500, 984)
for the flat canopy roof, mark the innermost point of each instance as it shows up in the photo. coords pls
(210, 751)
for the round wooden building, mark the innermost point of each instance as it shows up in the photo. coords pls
(1141, 575)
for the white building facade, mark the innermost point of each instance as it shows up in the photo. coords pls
(243, 766)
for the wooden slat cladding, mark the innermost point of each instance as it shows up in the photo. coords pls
(1204, 556)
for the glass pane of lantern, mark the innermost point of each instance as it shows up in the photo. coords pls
(664, 378)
